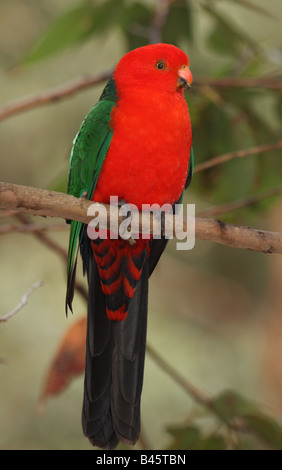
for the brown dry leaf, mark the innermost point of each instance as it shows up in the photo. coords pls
(69, 361)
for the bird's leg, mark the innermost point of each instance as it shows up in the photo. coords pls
(121, 203)
(162, 223)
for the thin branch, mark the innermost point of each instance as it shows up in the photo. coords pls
(52, 96)
(200, 397)
(159, 19)
(240, 204)
(53, 204)
(237, 154)
(23, 301)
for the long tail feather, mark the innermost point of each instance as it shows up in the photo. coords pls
(115, 353)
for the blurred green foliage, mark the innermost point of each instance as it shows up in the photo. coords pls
(224, 119)
(246, 427)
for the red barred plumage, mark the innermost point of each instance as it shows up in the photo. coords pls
(133, 269)
(120, 267)
(119, 315)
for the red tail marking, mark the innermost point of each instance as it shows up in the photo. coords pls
(128, 289)
(118, 315)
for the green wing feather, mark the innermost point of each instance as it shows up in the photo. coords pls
(190, 169)
(189, 174)
(89, 150)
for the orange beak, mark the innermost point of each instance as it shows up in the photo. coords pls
(185, 78)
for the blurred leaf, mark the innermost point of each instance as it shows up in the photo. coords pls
(212, 442)
(212, 120)
(269, 165)
(191, 438)
(259, 126)
(247, 442)
(70, 28)
(251, 67)
(230, 405)
(184, 438)
(223, 40)
(178, 24)
(73, 27)
(228, 31)
(266, 428)
(69, 361)
(235, 179)
(254, 7)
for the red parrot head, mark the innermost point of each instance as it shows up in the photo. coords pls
(157, 66)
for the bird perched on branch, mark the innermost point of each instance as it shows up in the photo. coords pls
(135, 143)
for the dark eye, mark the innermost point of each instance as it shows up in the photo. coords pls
(160, 65)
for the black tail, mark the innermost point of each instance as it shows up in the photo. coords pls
(115, 353)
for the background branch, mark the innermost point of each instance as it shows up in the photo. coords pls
(53, 204)
(240, 204)
(52, 96)
(237, 154)
(160, 16)
(23, 302)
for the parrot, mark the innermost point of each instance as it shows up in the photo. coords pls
(136, 144)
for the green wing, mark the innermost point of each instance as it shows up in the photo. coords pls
(190, 169)
(189, 174)
(89, 150)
